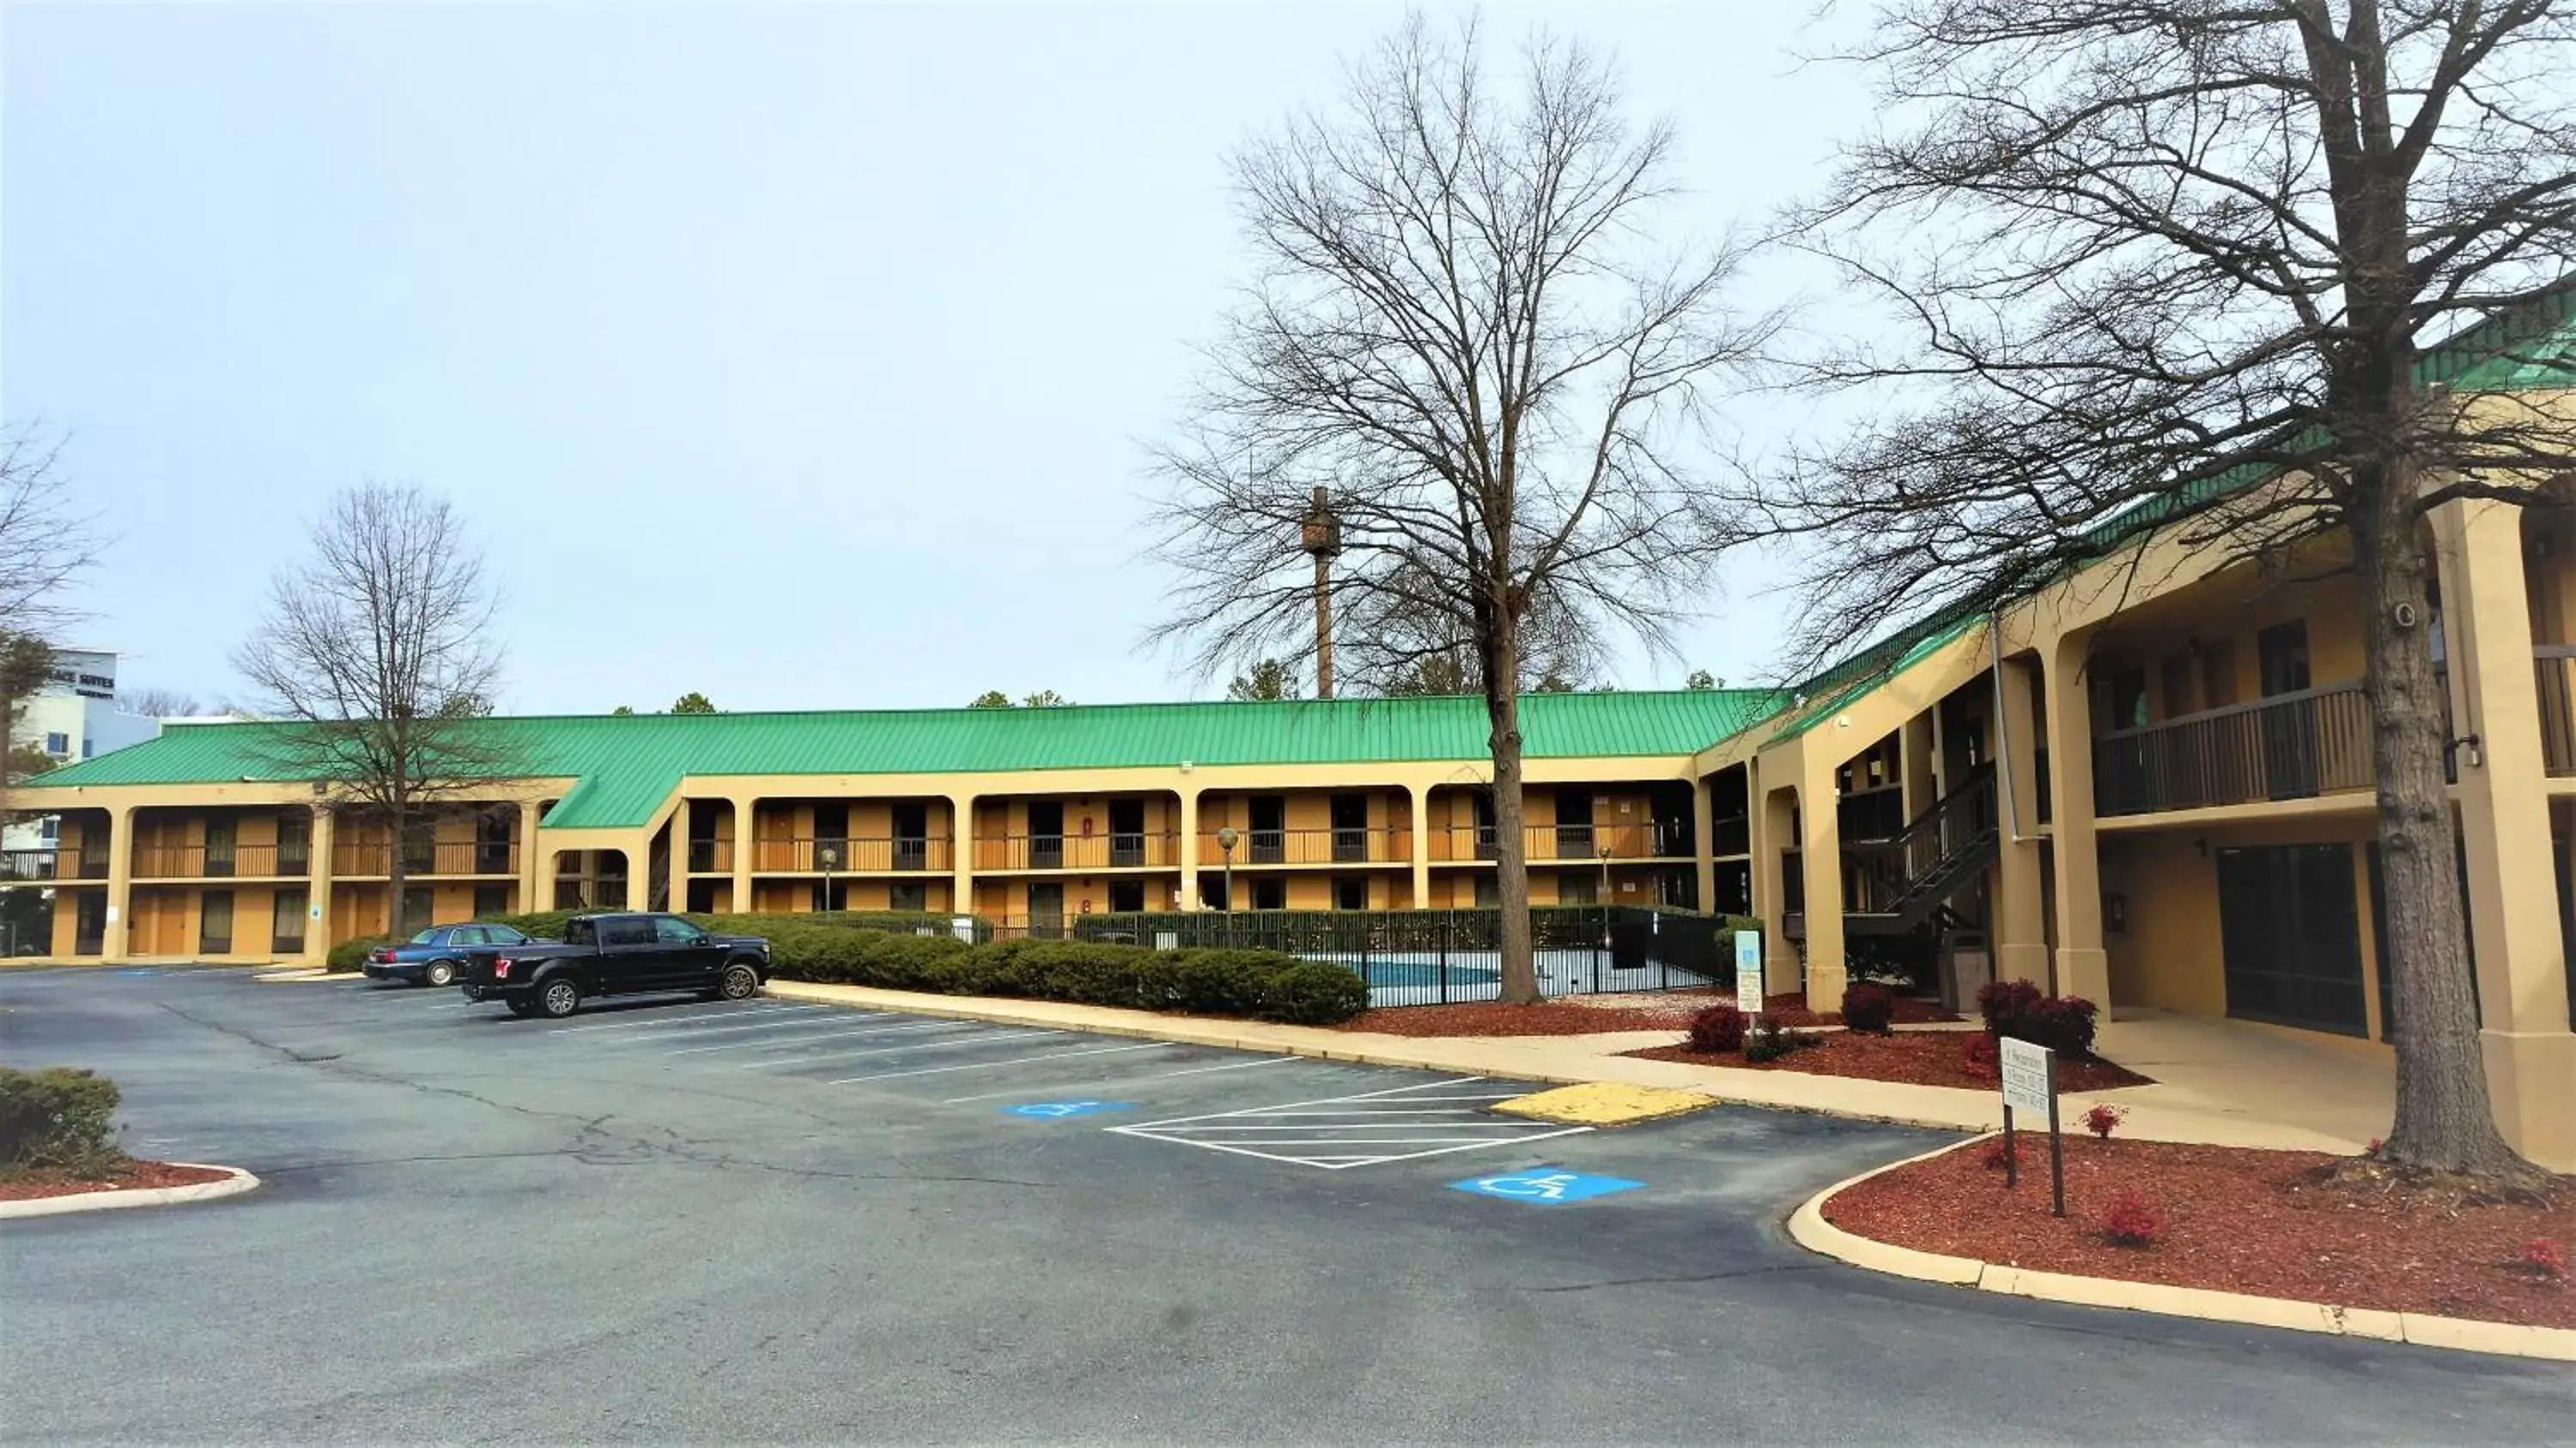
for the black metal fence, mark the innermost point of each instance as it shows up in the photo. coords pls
(1424, 957)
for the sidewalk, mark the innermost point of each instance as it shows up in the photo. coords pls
(2219, 1109)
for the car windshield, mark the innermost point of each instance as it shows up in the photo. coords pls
(429, 936)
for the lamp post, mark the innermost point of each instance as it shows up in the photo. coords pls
(1226, 839)
(827, 857)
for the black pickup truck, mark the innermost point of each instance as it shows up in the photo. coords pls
(614, 955)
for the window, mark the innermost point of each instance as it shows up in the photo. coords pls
(671, 930)
(581, 932)
(427, 937)
(89, 746)
(1350, 893)
(912, 897)
(416, 905)
(1126, 897)
(1489, 895)
(492, 900)
(286, 920)
(215, 923)
(1270, 893)
(625, 932)
(58, 745)
(503, 935)
(50, 829)
(1577, 887)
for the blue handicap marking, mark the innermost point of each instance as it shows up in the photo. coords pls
(1545, 1185)
(1059, 1110)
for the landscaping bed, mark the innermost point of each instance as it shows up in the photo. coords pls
(1923, 1058)
(1576, 1017)
(2232, 1220)
(133, 1174)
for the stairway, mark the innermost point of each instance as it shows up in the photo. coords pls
(1937, 853)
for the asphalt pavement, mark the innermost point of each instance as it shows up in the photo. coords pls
(763, 1221)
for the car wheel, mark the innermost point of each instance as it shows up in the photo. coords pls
(558, 998)
(740, 983)
(440, 973)
(520, 1006)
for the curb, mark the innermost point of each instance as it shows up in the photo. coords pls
(236, 1185)
(1809, 1229)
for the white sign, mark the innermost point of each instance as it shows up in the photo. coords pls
(964, 925)
(2027, 1075)
(1748, 971)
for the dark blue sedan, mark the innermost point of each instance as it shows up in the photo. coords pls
(429, 958)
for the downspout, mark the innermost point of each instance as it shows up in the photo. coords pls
(2003, 734)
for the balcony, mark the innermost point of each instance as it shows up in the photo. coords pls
(2288, 746)
(1732, 835)
(221, 862)
(815, 855)
(710, 857)
(363, 860)
(1663, 839)
(1330, 846)
(56, 864)
(1116, 851)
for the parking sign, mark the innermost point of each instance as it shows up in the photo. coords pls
(1748, 971)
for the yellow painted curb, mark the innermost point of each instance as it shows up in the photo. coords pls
(1605, 1103)
(1809, 1229)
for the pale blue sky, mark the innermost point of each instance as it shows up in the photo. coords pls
(799, 354)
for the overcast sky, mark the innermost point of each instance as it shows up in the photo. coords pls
(803, 355)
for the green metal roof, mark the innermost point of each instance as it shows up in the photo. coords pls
(627, 766)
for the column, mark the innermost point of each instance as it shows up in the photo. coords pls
(533, 895)
(1914, 769)
(318, 914)
(1704, 843)
(2019, 923)
(1420, 795)
(2504, 827)
(1189, 850)
(1820, 845)
(679, 860)
(120, 882)
(745, 810)
(961, 830)
(1772, 820)
(2083, 969)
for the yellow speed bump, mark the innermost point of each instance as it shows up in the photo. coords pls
(1605, 1103)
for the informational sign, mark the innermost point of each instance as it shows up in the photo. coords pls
(964, 925)
(1545, 1186)
(1061, 1110)
(1748, 971)
(2026, 1075)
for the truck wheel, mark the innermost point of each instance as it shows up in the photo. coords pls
(739, 983)
(440, 973)
(558, 997)
(520, 1006)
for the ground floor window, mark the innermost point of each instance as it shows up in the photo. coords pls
(286, 914)
(2290, 934)
(1489, 892)
(1351, 893)
(1126, 897)
(491, 900)
(1269, 893)
(418, 902)
(215, 923)
(831, 895)
(1577, 887)
(908, 895)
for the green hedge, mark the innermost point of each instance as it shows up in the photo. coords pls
(57, 1117)
(1257, 983)
(352, 953)
(549, 924)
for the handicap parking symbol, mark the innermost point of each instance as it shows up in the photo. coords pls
(1059, 1110)
(1545, 1186)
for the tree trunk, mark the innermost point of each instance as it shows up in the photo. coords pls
(1511, 842)
(401, 813)
(2444, 1120)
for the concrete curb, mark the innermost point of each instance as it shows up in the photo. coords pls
(280, 977)
(235, 1185)
(1808, 1227)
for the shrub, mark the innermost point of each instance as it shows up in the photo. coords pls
(1717, 1030)
(2103, 1118)
(57, 1117)
(1869, 1009)
(1770, 1041)
(1261, 983)
(350, 954)
(2542, 1256)
(1981, 1059)
(1999, 1153)
(1314, 994)
(2015, 1008)
(2132, 1223)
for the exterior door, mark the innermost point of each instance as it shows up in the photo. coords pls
(2290, 933)
(911, 836)
(89, 922)
(831, 838)
(1350, 828)
(1046, 839)
(1046, 911)
(286, 915)
(2290, 728)
(1126, 832)
(1269, 829)
(492, 843)
(220, 832)
(630, 958)
(690, 955)
(215, 923)
(1573, 824)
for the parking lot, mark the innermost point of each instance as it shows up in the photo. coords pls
(772, 1220)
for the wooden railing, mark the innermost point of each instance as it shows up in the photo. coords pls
(2287, 746)
(221, 862)
(359, 859)
(856, 855)
(1117, 850)
(1328, 846)
(1637, 840)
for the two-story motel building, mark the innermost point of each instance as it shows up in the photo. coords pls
(2150, 784)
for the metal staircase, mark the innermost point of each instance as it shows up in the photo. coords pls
(1908, 878)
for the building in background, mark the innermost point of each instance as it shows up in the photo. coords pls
(74, 717)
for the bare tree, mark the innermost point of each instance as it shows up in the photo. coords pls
(1459, 333)
(46, 542)
(378, 657)
(159, 704)
(2175, 263)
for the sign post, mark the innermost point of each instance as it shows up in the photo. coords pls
(1748, 972)
(2030, 1082)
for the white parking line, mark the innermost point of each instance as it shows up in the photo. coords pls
(678, 1032)
(968, 1040)
(991, 1065)
(664, 1022)
(1095, 1085)
(1237, 1065)
(1339, 1132)
(757, 1042)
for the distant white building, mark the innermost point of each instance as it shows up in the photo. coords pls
(74, 717)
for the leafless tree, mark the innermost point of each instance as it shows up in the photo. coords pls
(159, 704)
(378, 660)
(1460, 330)
(46, 542)
(2143, 253)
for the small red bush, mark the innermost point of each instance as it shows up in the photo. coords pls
(1981, 1059)
(2015, 1008)
(2103, 1118)
(1717, 1029)
(1868, 1009)
(2132, 1223)
(2543, 1256)
(1998, 1152)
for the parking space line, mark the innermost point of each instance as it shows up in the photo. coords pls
(1239, 1065)
(1094, 1085)
(666, 1021)
(692, 1033)
(965, 1040)
(1330, 1100)
(990, 1065)
(756, 1042)
(1340, 1132)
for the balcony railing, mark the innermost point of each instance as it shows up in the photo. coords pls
(219, 862)
(2555, 665)
(1114, 851)
(710, 857)
(1730, 836)
(891, 854)
(1871, 814)
(52, 864)
(1329, 846)
(2288, 746)
(1669, 839)
(360, 860)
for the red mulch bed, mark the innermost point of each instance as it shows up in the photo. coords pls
(1561, 1018)
(1918, 1058)
(135, 1175)
(2235, 1221)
